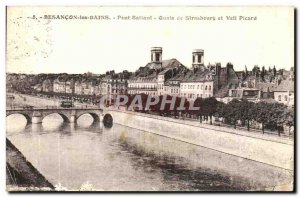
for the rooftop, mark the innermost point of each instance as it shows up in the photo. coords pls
(285, 85)
(164, 64)
(198, 76)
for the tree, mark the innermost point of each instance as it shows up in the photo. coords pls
(246, 112)
(290, 119)
(232, 112)
(186, 107)
(256, 70)
(277, 113)
(263, 73)
(220, 113)
(199, 103)
(177, 104)
(211, 103)
(262, 113)
(274, 71)
(246, 71)
(157, 106)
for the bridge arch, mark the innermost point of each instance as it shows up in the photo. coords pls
(27, 116)
(108, 120)
(95, 116)
(64, 116)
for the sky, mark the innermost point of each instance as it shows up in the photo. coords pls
(39, 45)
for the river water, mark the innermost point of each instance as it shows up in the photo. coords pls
(86, 156)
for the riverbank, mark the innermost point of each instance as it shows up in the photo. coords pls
(267, 149)
(21, 175)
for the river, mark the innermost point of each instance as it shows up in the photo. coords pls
(84, 156)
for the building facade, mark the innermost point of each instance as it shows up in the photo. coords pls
(285, 93)
(47, 86)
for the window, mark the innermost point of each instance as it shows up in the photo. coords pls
(197, 86)
(199, 58)
(209, 87)
(157, 57)
(193, 58)
(279, 98)
(205, 87)
(285, 97)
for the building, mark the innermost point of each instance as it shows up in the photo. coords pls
(64, 84)
(47, 85)
(70, 86)
(113, 84)
(172, 85)
(151, 78)
(86, 85)
(37, 87)
(118, 86)
(198, 83)
(251, 94)
(267, 89)
(59, 85)
(285, 93)
(96, 86)
(104, 87)
(78, 89)
(143, 85)
(208, 81)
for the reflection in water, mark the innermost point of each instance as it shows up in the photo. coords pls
(122, 158)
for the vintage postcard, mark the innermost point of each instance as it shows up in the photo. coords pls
(150, 99)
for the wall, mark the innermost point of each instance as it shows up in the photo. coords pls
(267, 149)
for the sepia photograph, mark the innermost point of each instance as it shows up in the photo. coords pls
(150, 99)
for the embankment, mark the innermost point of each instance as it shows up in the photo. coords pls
(272, 150)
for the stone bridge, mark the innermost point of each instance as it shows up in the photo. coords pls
(70, 115)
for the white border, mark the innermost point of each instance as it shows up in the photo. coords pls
(3, 4)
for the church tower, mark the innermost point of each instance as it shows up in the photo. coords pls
(198, 59)
(156, 55)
